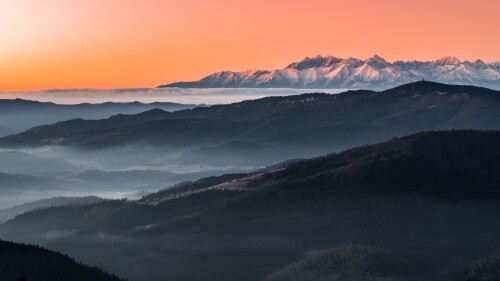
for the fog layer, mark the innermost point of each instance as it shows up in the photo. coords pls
(147, 95)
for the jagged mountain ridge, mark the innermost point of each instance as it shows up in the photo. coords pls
(352, 73)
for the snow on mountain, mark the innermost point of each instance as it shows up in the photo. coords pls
(448, 61)
(372, 73)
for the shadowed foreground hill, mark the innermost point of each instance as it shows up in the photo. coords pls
(431, 200)
(451, 166)
(37, 264)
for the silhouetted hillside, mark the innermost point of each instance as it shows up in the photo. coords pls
(38, 264)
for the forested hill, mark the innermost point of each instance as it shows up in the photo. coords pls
(429, 199)
(34, 263)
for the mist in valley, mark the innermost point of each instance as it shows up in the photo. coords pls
(267, 189)
(30, 174)
(119, 173)
(151, 95)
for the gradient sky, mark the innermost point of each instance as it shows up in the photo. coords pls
(143, 43)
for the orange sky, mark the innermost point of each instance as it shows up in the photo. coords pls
(143, 43)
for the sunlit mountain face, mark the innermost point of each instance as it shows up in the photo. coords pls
(372, 73)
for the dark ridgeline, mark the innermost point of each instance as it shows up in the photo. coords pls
(17, 115)
(425, 203)
(32, 263)
(9, 213)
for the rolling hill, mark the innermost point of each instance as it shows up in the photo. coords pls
(10, 213)
(429, 199)
(269, 130)
(17, 115)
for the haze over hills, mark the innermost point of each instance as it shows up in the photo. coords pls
(295, 220)
(19, 185)
(17, 115)
(422, 207)
(353, 73)
(275, 129)
(132, 155)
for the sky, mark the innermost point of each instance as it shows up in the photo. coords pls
(56, 44)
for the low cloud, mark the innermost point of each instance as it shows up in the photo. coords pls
(150, 95)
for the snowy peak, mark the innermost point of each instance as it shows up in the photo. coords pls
(448, 60)
(317, 62)
(353, 73)
(377, 61)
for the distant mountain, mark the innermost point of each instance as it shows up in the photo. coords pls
(352, 73)
(18, 115)
(9, 213)
(28, 262)
(269, 130)
(426, 206)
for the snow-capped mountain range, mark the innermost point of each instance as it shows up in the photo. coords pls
(352, 73)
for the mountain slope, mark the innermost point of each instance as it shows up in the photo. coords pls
(373, 73)
(430, 199)
(35, 263)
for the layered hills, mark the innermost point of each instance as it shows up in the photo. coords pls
(269, 130)
(17, 115)
(421, 207)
